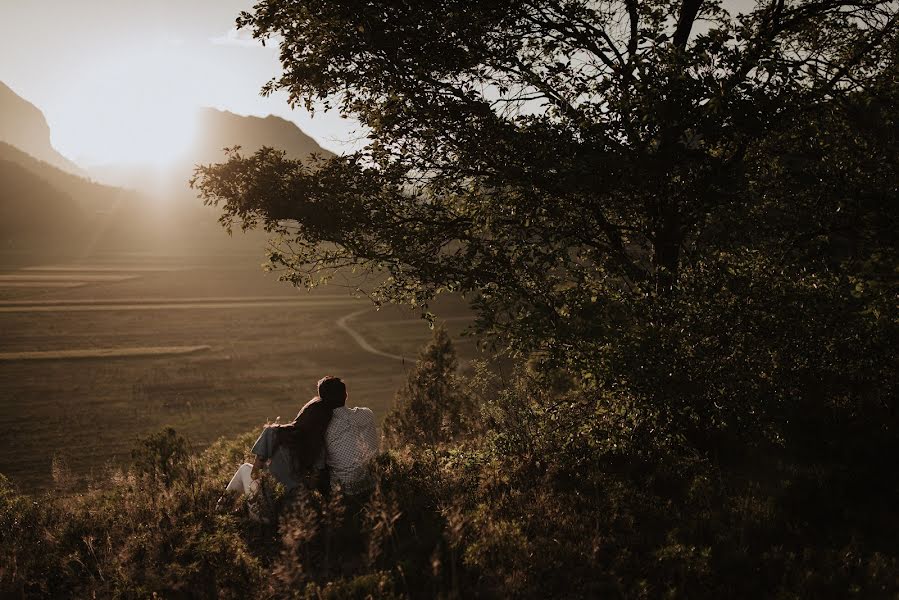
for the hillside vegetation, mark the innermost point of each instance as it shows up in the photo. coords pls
(518, 495)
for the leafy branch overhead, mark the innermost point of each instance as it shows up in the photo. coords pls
(581, 170)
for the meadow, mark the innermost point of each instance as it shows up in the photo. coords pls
(100, 351)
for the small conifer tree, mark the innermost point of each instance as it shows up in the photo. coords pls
(428, 409)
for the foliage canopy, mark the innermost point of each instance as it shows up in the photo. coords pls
(690, 209)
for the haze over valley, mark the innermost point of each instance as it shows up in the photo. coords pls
(124, 303)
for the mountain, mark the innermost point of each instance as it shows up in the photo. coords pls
(47, 208)
(219, 129)
(45, 211)
(88, 195)
(215, 131)
(24, 126)
(34, 214)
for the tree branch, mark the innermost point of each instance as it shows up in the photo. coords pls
(688, 11)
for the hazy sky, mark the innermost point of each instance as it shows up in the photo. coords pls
(118, 80)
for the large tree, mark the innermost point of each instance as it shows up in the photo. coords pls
(692, 211)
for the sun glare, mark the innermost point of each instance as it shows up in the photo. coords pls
(159, 136)
(134, 107)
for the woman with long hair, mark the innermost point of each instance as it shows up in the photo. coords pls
(294, 452)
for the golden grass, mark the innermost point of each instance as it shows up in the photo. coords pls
(57, 277)
(141, 351)
(269, 345)
(32, 307)
(42, 284)
(104, 268)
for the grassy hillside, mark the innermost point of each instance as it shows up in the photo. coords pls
(512, 499)
(108, 218)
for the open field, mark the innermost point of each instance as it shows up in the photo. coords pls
(98, 352)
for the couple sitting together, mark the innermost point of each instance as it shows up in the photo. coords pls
(327, 447)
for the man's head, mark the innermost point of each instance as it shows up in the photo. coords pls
(332, 390)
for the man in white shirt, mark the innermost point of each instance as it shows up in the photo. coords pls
(351, 442)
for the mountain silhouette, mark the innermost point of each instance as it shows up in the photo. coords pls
(48, 208)
(220, 129)
(87, 195)
(48, 212)
(215, 131)
(34, 214)
(24, 126)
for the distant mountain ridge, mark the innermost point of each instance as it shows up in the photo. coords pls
(215, 131)
(89, 195)
(24, 126)
(49, 206)
(218, 129)
(46, 210)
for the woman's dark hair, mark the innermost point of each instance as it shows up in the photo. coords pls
(305, 436)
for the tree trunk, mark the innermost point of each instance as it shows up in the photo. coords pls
(666, 250)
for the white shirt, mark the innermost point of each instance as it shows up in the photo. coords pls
(351, 442)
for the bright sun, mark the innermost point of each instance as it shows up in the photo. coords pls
(158, 136)
(130, 108)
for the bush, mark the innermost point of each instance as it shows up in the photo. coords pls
(162, 456)
(150, 529)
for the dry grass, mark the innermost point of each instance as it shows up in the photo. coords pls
(42, 284)
(103, 353)
(196, 304)
(55, 278)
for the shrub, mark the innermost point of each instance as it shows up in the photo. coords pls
(162, 455)
(429, 409)
(150, 529)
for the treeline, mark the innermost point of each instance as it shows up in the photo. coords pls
(488, 487)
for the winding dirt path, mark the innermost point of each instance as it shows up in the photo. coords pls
(343, 323)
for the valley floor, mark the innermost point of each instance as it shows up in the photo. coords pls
(97, 352)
